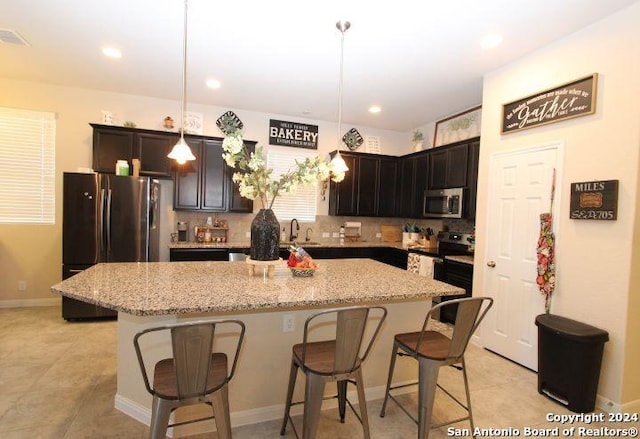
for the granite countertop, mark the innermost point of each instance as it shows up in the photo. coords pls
(160, 288)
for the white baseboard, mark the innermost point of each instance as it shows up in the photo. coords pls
(25, 303)
(251, 416)
(612, 407)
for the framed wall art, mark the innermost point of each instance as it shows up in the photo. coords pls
(461, 126)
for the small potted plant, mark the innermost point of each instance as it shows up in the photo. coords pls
(418, 140)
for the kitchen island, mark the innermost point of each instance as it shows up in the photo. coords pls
(153, 294)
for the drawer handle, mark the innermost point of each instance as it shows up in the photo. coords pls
(491, 264)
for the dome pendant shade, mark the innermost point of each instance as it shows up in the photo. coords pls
(181, 152)
(338, 164)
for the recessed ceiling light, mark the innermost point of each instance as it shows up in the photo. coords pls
(213, 83)
(111, 52)
(491, 41)
(375, 109)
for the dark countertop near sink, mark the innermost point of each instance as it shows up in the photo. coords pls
(244, 245)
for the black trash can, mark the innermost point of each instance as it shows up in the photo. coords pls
(569, 359)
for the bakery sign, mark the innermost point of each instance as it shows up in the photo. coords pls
(577, 98)
(297, 134)
(594, 200)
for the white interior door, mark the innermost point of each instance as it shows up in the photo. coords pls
(519, 191)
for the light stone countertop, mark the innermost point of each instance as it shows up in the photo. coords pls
(160, 288)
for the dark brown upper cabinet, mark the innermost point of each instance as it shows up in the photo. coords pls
(111, 143)
(369, 187)
(205, 184)
(413, 182)
(448, 166)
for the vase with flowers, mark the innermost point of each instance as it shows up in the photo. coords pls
(257, 182)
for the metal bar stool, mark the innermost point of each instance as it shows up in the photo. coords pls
(338, 360)
(194, 375)
(433, 349)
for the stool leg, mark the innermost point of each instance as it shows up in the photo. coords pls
(362, 402)
(392, 365)
(342, 398)
(292, 382)
(466, 389)
(221, 412)
(313, 392)
(428, 377)
(160, 412)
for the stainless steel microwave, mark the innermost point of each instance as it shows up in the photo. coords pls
(443, 203)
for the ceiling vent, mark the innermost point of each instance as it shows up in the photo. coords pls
(12, 37)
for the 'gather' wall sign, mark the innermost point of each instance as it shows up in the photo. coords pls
(577, 98)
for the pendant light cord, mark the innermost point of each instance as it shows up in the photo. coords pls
(340, 89)
(184, 72)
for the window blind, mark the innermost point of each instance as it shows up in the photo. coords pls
(27, 166)
(300, 204)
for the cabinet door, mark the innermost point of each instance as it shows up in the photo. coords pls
(472, 180)
(187, 180)
(457, 166)
(438, 169)
(419, 184)
(406, 191)
(152, 150)
(387, 187)
(448, 167)
(109, 146)
(367, 185)
(238, 203)
(213, 177)
(342, 199)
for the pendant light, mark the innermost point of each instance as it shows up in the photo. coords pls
(337, 162)
(181, 152)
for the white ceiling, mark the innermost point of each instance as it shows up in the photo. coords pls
(418, 60)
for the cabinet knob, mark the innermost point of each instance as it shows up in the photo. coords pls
(491, 264)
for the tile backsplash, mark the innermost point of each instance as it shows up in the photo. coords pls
(240, 224)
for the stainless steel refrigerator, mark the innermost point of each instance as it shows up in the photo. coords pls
(106, 218)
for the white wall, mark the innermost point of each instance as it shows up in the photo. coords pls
(34, 253)
(593, 257)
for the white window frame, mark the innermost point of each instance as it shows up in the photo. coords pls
(302, 204)
(27, 166)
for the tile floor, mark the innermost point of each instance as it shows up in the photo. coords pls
(58, 380)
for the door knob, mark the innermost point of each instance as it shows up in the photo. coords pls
(491, 264)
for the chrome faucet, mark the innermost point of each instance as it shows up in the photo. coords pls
(309, 229)
(293, 235)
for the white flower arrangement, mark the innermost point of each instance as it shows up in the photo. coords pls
(254, 178)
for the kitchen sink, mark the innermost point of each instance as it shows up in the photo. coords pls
(302, 243)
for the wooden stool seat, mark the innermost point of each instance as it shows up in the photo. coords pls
(434, 346)
(320, 357)
(164, 376)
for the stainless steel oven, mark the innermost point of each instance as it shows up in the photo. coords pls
(443, 203)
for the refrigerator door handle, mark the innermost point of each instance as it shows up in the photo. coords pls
(108, 221)
(100, 241)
